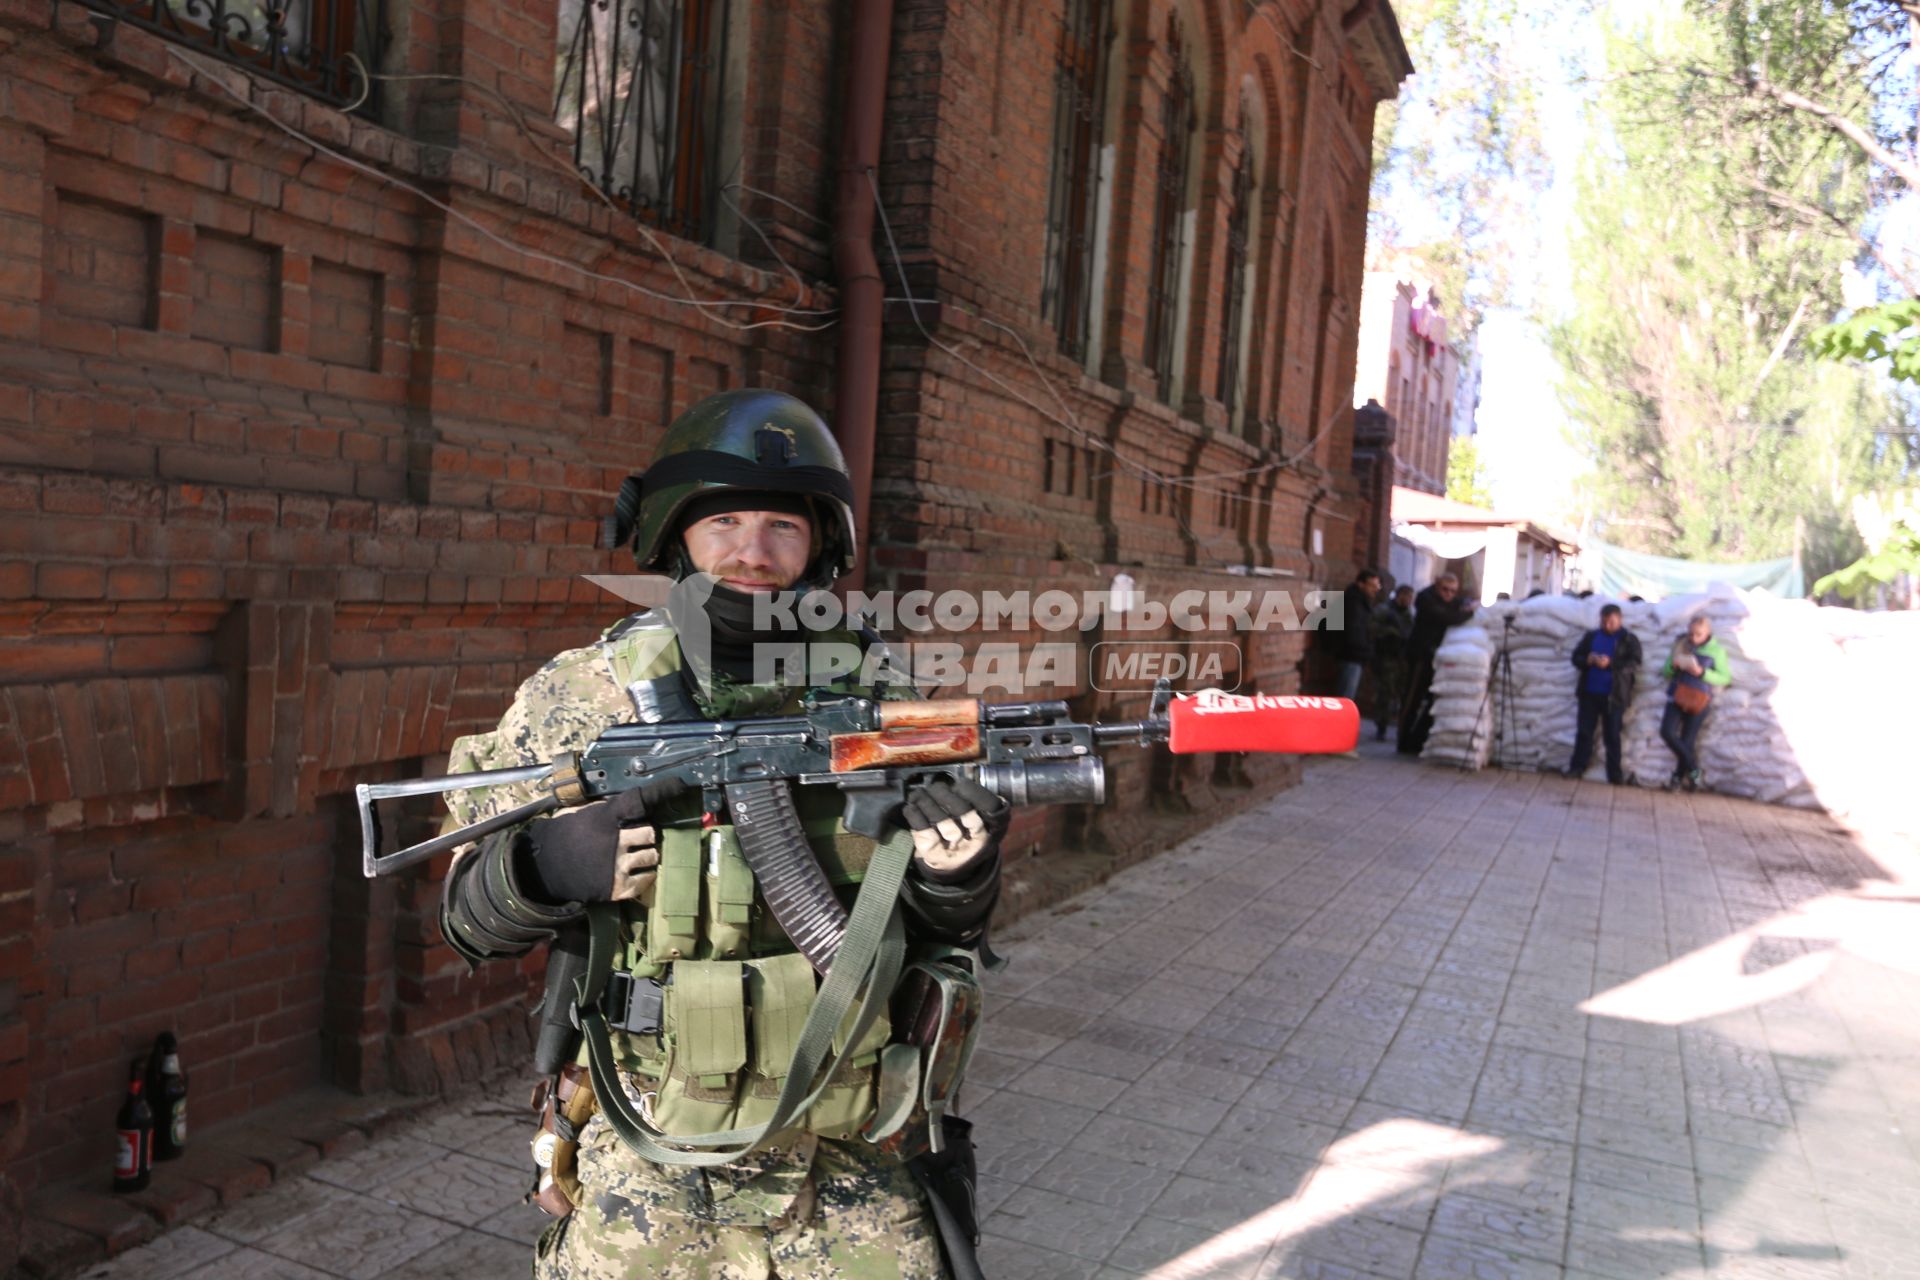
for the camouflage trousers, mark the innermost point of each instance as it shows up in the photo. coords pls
(819, 1210)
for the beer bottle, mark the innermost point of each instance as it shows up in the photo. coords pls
(167, 1087)
(133, 1162)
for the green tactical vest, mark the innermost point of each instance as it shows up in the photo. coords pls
(735, 993)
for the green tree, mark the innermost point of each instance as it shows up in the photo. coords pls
(1458, 158)
(1846, 69)
(1860, 581)
(1684, 358)
(1466, 478)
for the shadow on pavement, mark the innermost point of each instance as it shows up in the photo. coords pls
(1407, 1022)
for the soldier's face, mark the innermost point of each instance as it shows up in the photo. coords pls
(751, 550)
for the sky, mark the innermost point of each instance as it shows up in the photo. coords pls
(1525, 438)
(1530, 464)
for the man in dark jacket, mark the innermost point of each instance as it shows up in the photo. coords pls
(1392, 625)
(1356, 632)
(1608, 659)
(1434, 610)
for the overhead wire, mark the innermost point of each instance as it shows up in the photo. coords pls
(1069, 421)
(212, 76)
(1259, 11)
(1065, 418)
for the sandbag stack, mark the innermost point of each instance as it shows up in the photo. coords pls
(1462, 715)
(1793, 727)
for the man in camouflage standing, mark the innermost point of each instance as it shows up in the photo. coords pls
(1392, 630)
(688, 1160)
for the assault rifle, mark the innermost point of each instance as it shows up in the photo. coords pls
(1028, 752)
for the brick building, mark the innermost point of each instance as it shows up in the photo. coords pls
(313, 387)
(1408, 364)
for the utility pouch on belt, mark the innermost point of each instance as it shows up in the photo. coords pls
(565, 1107)
(936, 1009)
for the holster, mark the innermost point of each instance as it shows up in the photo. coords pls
(948, 1177)
(557, 1042)
(565, 1104)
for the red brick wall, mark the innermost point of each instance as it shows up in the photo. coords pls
(963, 487)
(299, 473)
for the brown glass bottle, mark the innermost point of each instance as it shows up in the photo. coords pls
(133, 1132)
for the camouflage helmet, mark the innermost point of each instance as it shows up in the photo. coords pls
(745, 440)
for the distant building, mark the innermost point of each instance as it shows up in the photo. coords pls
(1466, 397)
(1490, 552)
(1408, 365)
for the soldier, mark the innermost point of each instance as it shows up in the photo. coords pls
(1392, 628)
(692, 1161)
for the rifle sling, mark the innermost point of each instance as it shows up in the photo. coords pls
(871, 954)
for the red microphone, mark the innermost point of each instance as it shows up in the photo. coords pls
(1214, 721)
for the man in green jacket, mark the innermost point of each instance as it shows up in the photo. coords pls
(1697, 665)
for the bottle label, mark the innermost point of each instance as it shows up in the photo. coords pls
(170, 1065)
(126, 1162)
(180, 1122)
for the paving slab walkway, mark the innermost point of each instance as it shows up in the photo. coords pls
(1400, 1022)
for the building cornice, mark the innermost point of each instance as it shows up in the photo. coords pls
(1373, 32)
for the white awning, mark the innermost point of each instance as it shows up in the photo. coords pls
(1450, 544)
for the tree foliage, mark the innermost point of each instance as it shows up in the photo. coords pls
(1684, 356)
(1846, 70)
(1458, 159)
(1860, 580)
(1890, 332)
(1466, 477)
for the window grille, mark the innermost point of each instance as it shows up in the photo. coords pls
(1170, 197)
(308, 45)
(640, 84)
(1239, 216)
(1073, 200)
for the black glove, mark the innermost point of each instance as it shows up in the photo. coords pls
(956, 826)
(574, 857)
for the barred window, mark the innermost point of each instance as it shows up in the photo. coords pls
(308, 45)
(1177, 122)
(640, 84)
(1239, 226)
(1073, 200)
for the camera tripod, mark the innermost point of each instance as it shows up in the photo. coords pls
(1506, 715)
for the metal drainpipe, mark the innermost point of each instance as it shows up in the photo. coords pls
(856, 393)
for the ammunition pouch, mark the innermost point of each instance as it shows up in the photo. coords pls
(673, 916)
(728, 1036)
